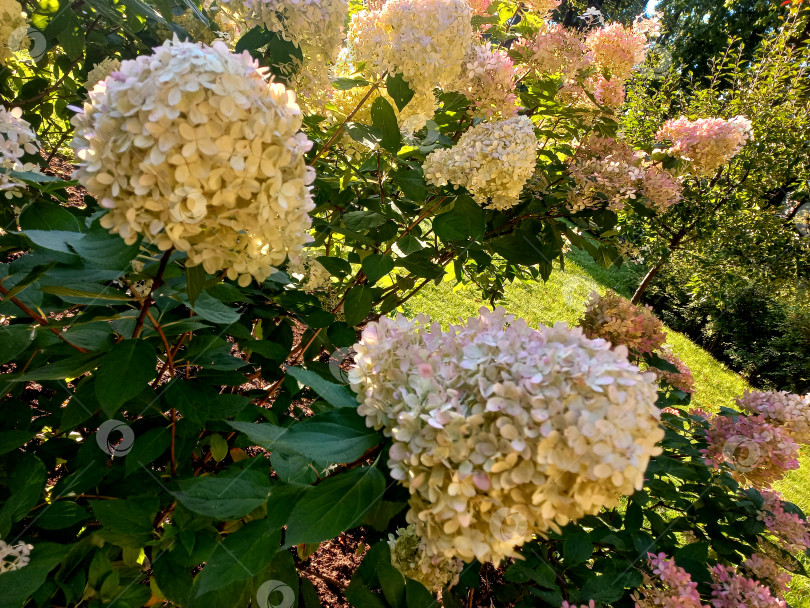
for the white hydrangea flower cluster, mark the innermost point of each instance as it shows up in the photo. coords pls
(425, 40)
(193, 148)
(14, 557)
(100, 71)
(311, 274)
(16, 139)
(314, 26)
(409, 556)
(493, 160)
(781, 408)
(493, 422)
(231, 17)
(12, 18)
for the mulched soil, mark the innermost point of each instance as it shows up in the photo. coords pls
(331, 567)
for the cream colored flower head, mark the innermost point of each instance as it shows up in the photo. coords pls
(493, 160)
(409, 556)
(193, 148)
(100, 71)
(12, 18)
(17, 139)
(501, 431)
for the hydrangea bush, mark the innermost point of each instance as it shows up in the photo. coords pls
(212, 211)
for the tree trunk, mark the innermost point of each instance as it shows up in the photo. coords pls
(645, 283)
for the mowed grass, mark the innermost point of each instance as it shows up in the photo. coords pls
(562, 299)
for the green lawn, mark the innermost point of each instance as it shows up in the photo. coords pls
(563, 298)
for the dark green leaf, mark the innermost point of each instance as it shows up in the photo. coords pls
(332, 437)
(416, 596)
(464, 221)
(399, 90)
(61, 514)
(358, 303)
(334, 505)
(147, 448)
(211, 309)
(15, 339)
(384, 120)
(412, 184)
(195, 281)
(376, 266)
(101, 249)
(124, 372)
(224, 498)
(242, 555)
(334, 394)
(127, 522)
(18, 585)
(337, 267)
(577, 547)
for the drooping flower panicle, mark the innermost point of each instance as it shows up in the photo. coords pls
(409, 556)
(780, 408)
(622, 323)
(493, 160)
(706, 143)
(194, 149)
(17, 139)
(501, 431)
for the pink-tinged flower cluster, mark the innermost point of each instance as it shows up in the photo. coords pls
(488, 80)
(681, 380)
(608, 93)
(660, 188)
(501, 431)
(590, 604)
(707, 143)
(542, 7)
(553, 50)
(670, 586)
(756, 452)
(733, 590)
(792, 412)
(617, 49)
(607, 172)
(766, 570)
(479, 7)
(622, 323)
(792, 533)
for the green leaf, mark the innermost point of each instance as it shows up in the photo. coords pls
(191, 398)
(127, 522)
(333, 437)
(363, 134)
(269, 350)
(334, 394)
(392, 582)
(376, 266)
(211, 309)
(195, 280)
(466, 220)
(48, 216)
(242, 555)
(101, 249)
(654, 360)
(219, 447)
(412, 184)
(33, 275)
(71, 367)
(358, 303)
(124, 372)
(25, 482)
(361, 596)
(399, 90)
(384, 120)
(634, 518)
(335, 505)
(362, 220)
(62, 514)
(15, 339)
(337, 267)
(55, 240)
(76, 295)
(19, 585)
(344, 84)
(577, 547)
(147, 448)
(417, 596)
(223, 497)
